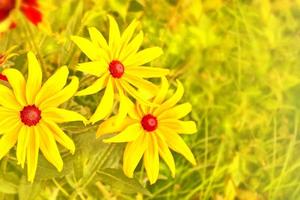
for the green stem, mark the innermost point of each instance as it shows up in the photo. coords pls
(60, 188)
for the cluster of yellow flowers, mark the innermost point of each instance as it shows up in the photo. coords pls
(29, 111)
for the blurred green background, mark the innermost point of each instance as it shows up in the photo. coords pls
(239, 61)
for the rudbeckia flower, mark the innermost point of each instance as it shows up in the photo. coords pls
(29, 115)
(30, 8)
(151, 131)
(119, 66)
(4, 57)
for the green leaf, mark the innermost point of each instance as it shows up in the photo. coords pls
(117, 179)
(135, 6)
(78, 165)
(28, 191)
(107, 155)
(47, 171)
(7, 187)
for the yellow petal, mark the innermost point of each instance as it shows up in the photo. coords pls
(18, 84)
(7, 141)
(97, 86)
(172, 101)
(114, 37)
(147, 72)
(62, 95)
(110, 126)
(176, 143)
(133, 112)
(151, 159)
(143, 109)
(8, 99)
(135, 94)
(60, 136)
(7, 112)
(53, 85)
(4, 25)
(48, 146)
(141, 84)
(184, 127)
(142, 57)
(161, 95)
(132, 47)
(9, 122)
(59, 115)
(32, 153)
(22, 145)
(34, 80)
(133, 154)
(98, 39)
(176, 112)
(130, 133)
(140, 110)
(124, 105)
(127, 34)
(130, 107)
(87, 47)
(106, 104)
(165, 153)
(96, 68)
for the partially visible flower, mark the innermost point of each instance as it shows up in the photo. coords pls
(119, 66)
(4, 57)
(151, 131)
(3, 77)
(29, 115)
(30, 8)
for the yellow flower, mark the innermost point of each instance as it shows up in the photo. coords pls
(119, 66)
(4, 57)
(29, 115)
(151, 131)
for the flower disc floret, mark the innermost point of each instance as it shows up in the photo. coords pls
(116, 69)
(149, 123)
(30, 115)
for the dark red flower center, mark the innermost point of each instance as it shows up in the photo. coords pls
(116, 69)
(149, 122)
(30, 115)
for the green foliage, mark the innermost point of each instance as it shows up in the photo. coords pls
(120, 182)
(239, 62)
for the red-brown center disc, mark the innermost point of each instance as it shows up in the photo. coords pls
(116, 69)
(30, 115)
(149, 123)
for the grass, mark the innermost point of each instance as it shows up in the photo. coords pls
(239, 61)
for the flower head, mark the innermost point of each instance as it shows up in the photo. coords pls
(29, 115)
(30, 8)
(4, 57)
(151, 131)
(119, 66)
